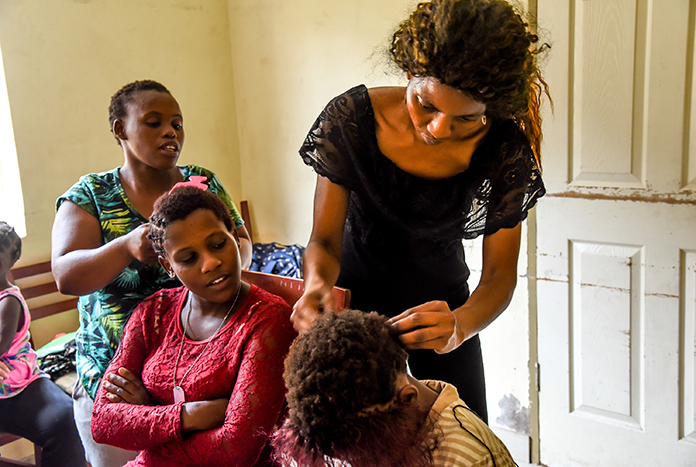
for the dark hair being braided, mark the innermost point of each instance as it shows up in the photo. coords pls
(482, 48)
(119, 101)
(336, 374)
(10, 240)
(177, 205)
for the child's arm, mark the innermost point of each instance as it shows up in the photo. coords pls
(4, 371)
(254, 406)
(11, 320)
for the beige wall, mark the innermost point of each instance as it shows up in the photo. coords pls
(63, 61)
(290, 59)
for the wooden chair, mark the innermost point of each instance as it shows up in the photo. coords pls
(40, 290)
(290, 289)
(41, 293)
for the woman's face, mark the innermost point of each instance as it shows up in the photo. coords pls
(204, 255)
(442, 113)
(153, 130)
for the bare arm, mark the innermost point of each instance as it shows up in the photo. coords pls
(322, 257)
(433, 325)
(81, 262)
(10, 317)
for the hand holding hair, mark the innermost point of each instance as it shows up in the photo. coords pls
(431, 325)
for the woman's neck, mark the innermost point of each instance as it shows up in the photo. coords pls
(202, 319)
(143, 185)
(426, 396)
(399, 141)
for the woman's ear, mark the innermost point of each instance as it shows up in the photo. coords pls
(167, 266)
(118, 129)
(407, 394)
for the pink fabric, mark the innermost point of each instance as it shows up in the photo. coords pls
(20, 357)
(244, 362)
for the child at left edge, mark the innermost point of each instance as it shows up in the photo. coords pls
(197, 378)
(32, 406)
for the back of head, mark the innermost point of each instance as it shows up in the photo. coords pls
(177, 205)
(120, 100)
(10, 241)
(341, 380)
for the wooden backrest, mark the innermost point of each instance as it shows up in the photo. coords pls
(290, 289)
(246, 217)
(40, 290)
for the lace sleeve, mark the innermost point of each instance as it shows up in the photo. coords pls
(134, 427)
(334, 138)
(255, 404)
(516, 189)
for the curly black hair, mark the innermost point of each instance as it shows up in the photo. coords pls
(336, 374)
(119, 101)
(177, 205)
(10, 239)
(481, 47)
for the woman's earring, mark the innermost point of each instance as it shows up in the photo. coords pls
(172, 274)
(483, 120)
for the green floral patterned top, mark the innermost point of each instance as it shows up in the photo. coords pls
(104, 313)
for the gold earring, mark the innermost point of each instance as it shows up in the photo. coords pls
(483, 120)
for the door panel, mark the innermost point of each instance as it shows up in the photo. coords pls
(616, 258)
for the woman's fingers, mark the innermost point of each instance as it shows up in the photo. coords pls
(126, 387)
(428, 326)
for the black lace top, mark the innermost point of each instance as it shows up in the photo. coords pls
(397, 220)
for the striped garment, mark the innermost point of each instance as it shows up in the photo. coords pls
(467, 440)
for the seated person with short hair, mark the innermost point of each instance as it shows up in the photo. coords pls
(351, 400)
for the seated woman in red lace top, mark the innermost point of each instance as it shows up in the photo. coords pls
(197, 378)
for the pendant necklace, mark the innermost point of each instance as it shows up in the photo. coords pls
(179, 395)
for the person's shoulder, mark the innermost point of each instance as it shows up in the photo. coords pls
(267, 300)
(92, 181)
(267, 310)
(464, 431)
(508, 132)
(343, 104)
(160, 302)
(192, 169)
(386, 95)
(107, 177)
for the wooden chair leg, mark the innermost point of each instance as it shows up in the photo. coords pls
(37, 455)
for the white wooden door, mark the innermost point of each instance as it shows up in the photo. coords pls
(617, 235)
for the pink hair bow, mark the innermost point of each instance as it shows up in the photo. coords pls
(194, 181)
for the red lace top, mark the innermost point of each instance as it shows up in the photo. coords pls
(244, 362)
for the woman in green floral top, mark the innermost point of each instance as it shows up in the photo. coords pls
(100, 247)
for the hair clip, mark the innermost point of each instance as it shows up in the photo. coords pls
(194, 181)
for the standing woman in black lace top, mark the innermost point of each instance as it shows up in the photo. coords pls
(404, 174)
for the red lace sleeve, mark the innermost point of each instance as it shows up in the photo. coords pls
(135, 427)
(256, 400)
